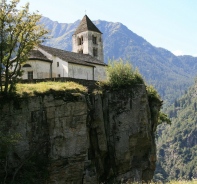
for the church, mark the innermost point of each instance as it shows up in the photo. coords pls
(86, 61)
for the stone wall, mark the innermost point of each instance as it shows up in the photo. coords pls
(84, 139)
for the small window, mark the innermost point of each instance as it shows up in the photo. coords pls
(80, 40)
(94, 39)
(95, 52)
(58, 64)
(59, 75)
(30, 75)
(26, 65)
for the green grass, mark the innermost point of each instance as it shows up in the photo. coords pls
(45, 87)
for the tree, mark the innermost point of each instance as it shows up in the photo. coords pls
(19, 34)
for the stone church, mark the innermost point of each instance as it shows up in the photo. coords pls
(85, 62)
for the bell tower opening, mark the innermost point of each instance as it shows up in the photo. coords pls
(80, 40)
(94, 39)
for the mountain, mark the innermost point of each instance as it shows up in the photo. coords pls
(60, 34)
(171, 75)
(177, 144)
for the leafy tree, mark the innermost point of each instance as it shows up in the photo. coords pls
(19, 33)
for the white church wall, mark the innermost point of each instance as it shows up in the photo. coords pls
(40, 69)
(80, 71)
(100, 73)
(59, 66)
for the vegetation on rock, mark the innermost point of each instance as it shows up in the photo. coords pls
(120, 74)
(49, 87)
(152, 93)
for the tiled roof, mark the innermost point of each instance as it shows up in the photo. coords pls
(37, 55)
(86, 25)
(72, 57)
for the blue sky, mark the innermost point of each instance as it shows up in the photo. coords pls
(171, 24)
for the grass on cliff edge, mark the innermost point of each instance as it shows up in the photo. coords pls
(44, 87)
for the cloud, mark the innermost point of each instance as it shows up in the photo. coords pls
(178, 53)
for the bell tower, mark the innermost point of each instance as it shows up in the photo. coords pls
(87, 39)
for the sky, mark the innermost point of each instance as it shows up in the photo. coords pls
(170, 24)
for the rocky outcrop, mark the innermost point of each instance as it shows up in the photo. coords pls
(87, 139)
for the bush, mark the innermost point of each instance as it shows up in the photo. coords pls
(152, 93)
(163, 118)
(122, 74)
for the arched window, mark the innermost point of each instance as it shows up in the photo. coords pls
(26, 65)
(80, 40)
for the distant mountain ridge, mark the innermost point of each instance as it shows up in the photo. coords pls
(170, 74)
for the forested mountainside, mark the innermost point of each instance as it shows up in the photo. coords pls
(177, 144)
(170, 74)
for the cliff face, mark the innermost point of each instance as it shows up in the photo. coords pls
(83, 139)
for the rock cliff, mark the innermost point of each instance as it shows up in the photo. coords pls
(75, 138)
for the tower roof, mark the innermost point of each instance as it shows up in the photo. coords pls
(86, 25)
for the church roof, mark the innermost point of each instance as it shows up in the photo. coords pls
(86, 25)
(72, 57)
(37, 55)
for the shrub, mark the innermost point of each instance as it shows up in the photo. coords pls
(152, 93)
(163, 118)
(122, 74)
